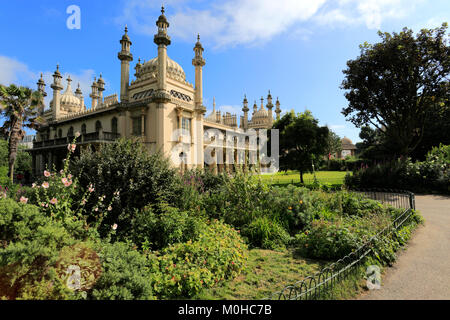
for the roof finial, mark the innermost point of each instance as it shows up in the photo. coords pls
(214, 104)
(162, 9)
(126, 28)
(198, 37)
(69, 80)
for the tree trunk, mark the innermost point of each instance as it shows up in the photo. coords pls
(301, 176)
(14, 138)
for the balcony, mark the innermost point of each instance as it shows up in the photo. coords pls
(84, 138)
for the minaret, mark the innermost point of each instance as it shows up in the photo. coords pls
(278, 110)
(162, 39)
(57, 87)
(138, 67)
(94, 95)
(269, 109)
(79, 95)
(41, 89)
(199, 63)
(101, 88)
(245, 110)
(125, 57)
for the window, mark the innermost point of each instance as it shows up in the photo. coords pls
(137, 126)
(114, 125)
(60, 133)
(186, 124)
(98, 126)
(70, 132)
(83, 129)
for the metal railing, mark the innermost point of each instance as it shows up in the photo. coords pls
(316, 285)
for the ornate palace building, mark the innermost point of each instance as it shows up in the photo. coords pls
(159, 106)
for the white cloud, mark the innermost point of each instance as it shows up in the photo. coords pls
(14, 71)
(250, 22)
(369, 12)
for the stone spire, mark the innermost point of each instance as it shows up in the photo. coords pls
(79, 95)
(41, 89)
(94, 94)
(278, 110)
(198, 62)
(125, 57)
(269, 109)
(101, 88)
(162, 39)
(57, 87)
(245, 109)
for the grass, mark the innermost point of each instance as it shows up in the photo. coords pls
(289, 177)
(267, 271)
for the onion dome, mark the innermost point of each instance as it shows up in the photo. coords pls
(150, 69)
(69, 102)
(162, 19)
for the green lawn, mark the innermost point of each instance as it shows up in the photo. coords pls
(331, 177)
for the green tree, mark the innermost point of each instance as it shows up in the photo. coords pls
(302, 141)
(393, 84)
(19, 108)
(334, 145)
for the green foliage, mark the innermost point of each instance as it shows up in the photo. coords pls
(395, 84)
(126, 274)
(125, 166)
(266, 233)
(151, 230)
(432, 175)
(186, 268)
(29, 246)
(299, 153)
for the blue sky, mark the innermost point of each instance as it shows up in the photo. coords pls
(295, 48)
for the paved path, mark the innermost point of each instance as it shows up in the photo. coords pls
(422, 271)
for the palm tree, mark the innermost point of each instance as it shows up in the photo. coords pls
(19, 108)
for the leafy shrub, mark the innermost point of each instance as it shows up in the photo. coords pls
(29, 247)
(157, 231)
(327, 240)
(432, 175)
(126, 166)
(266, 233)
(186, 268)
(126, 274)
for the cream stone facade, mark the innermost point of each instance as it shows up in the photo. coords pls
(159, 106)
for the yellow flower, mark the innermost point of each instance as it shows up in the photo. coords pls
(301, 201)
(290, 208)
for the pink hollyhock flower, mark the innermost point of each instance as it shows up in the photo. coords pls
(45, 185)
(54, 201)
(83, 202)
(34, 185)
(114, 226)
(69, 176)
(91, 188)
(96, 209)
(64, 180)
(24, 200)
(47, 174)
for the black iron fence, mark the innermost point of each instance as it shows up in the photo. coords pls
(318, 284)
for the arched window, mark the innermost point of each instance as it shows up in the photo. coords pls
(98, 126)
(70, 132)
(60, 133)
(83, 129)
(114, 125)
